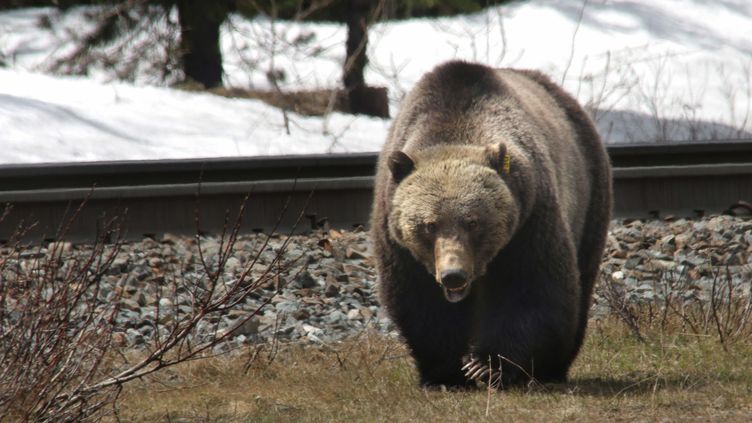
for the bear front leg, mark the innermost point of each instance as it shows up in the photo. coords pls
(528, 311)
(438, 352)
(525, 333)
(518, 351)
(436, 331)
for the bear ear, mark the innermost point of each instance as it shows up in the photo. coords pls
(498, 158)
(401, 165)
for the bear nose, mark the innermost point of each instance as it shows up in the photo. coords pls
(453, 278)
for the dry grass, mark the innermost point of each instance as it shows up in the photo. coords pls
(670, 377)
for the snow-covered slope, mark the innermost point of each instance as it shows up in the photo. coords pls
(48, 119)
(648, 70)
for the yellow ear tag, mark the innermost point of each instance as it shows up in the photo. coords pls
(507, 164)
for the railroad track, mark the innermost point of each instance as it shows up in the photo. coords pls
(164, 196)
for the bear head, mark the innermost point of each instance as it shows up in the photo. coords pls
(453, 211)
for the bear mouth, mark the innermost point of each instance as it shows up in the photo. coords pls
(456, 294)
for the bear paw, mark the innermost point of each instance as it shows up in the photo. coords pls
(482, 372)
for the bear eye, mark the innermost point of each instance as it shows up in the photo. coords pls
(428, 228)
(471, 224)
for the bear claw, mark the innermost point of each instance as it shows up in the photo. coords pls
(476, 370)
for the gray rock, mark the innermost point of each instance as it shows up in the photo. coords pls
(633, 262)
(343, 277)
(294, 252)
(354, 314)
(134, 337)
(248, 328)
(301, 314)
(287, 307)
(232, 265)
(335, 316)
(130, 304)
(58, 247)
(128, 318)
(355, 254)
(305, 280)
(31, 254)
(165, 303)
(332, 288)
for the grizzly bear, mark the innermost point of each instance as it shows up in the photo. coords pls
(492, 202)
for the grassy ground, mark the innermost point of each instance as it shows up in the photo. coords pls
(671, 377)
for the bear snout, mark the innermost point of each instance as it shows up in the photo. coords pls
(453, 256)
(456, 284)
(454, 279)
(453, 269)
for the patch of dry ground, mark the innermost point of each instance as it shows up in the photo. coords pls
(671, 377)
(307, 103)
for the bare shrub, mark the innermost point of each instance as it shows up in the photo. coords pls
(721, 308)
(127, 40)
(54, 332)
(620, 303)
(62, 354)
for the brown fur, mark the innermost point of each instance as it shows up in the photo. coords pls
(529, 241)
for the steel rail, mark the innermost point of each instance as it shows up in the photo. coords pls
(163, 196)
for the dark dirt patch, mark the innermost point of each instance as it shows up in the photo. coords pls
(308, 103)
(316, 102)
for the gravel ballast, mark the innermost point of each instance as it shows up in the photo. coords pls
(329, 292)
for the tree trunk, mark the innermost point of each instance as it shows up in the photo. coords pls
(199, 39)
(356, 17)
(362, 99)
